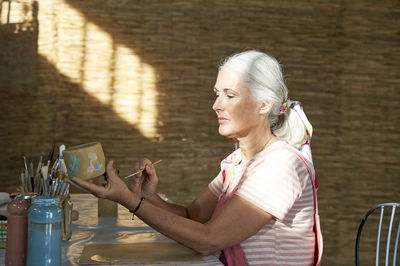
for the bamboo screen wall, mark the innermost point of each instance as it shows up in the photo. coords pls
(138, 77)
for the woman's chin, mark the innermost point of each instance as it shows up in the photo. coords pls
(225, 133)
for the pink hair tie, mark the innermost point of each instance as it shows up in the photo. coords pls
(284, 107)
(288, 104)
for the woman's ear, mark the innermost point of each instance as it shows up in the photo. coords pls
(265, 108)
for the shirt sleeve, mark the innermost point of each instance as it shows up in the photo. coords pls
(215, 186)
(272, 183)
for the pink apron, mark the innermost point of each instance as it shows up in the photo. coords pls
(234, 255)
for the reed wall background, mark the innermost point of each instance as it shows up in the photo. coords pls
(138, 77)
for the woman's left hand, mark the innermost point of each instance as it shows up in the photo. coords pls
(115, 189)
(144, 183)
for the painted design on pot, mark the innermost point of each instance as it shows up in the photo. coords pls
(93, 158)
(73, 167)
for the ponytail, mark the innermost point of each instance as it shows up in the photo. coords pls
(293, 126)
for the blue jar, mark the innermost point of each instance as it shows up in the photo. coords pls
(44, 231)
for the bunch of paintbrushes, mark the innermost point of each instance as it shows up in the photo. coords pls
(45, 180)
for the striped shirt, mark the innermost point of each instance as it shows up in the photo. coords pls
(278, 182)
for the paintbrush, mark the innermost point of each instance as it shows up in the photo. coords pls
(37, 175)
(46, 166)
(141, 170)
(22, 180)
(39, 166)
(26, 172)
(32, 176)
(50, 158)
(26, 166)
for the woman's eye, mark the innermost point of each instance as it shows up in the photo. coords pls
(230, 96)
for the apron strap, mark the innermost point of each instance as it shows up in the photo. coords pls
(317, 225)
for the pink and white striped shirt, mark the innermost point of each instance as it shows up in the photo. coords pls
(278, 182)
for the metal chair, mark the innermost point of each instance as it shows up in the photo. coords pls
(389, 235)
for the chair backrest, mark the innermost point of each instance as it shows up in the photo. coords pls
(382, 207)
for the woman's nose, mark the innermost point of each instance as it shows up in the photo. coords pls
(217, 104)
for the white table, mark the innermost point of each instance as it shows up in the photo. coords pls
(90, 229)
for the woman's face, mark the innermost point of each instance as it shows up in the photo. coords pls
(238, 113)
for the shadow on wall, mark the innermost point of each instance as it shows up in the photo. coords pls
(40, 106)
(71, 117)
(168, 36)
(48, 107)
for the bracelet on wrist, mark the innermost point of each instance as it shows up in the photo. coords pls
(137, 207)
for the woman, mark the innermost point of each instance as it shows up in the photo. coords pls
(260, 207)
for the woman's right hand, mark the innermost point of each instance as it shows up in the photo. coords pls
(144, 184)
(115, 189)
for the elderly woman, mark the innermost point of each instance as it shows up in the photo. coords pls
(261, 208)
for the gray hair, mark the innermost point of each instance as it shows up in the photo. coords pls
(264, 76)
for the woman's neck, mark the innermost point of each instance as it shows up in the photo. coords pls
(253, 144)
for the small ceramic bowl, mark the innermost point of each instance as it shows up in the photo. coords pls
(85, 161)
